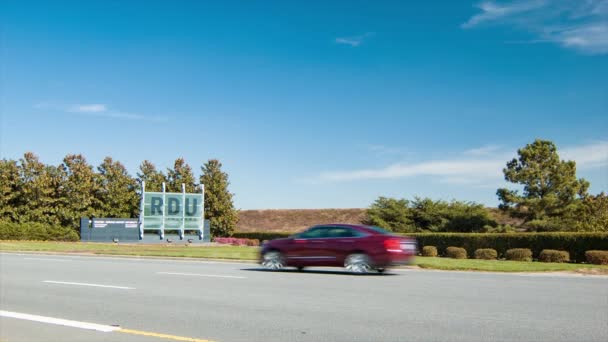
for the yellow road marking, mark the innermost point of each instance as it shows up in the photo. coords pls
(166, 336)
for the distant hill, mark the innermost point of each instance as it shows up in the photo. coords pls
(293, 220)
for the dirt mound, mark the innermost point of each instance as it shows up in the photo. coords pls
(292, 220)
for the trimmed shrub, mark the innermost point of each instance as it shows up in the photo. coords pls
(36, 231)
(597, 257)
(552, 255)
(253, 242)
(573, 242)
(429, 251)
(486, 254)
(456, 253)
(519, 254)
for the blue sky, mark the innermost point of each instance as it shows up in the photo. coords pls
(313, 104)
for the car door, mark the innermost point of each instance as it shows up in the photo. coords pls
(341, 241)
(309, 247)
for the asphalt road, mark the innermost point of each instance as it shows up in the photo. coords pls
(216, 301)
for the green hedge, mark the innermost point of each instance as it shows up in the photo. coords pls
(36, 231)
(574, 243)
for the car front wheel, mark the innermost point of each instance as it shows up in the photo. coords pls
(273, 260)
(357, 263)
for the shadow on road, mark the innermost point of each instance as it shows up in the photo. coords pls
(316, 271)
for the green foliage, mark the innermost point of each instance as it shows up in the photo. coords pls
(149, 174)
(9, 189)
(519, 254)
(501, 228)
(597, 257)
(429, 251)
(425, 214)
(392, 214)
(117, 192)
(37, 191)
(58, 196)
(456, 253)
(550, 186)
(486, 254)
(36, 231)
(552, 255)
(575, 243)
(181, 174)
(428, 215)
(590, 215)
(219, 208)
(80, 191)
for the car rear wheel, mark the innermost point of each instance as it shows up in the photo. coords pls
(273, 260)
(357, 263)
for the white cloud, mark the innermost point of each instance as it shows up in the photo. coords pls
(493, 11)
(450, 169)
(354, 41)
(578, 25)
(88, 108)
(98, 110)
(480, 166)
(588, 38)
(483, 151)
(587, 156)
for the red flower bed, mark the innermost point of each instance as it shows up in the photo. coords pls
(236, 241)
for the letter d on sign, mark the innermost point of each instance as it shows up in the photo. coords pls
(173, 207)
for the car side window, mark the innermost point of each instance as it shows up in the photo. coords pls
(343, 232)
(313, 233)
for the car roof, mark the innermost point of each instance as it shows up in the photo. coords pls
(366, 228)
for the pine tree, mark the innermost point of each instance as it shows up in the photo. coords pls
(10, 187)
(80, 191)
(219, 208)
(550, 186)
(117, 193)
(38, 198)
(181, 174)
(153, 178)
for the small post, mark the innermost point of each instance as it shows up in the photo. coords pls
(181, 236)
(162, 225)
(142, 204)
(202, 223)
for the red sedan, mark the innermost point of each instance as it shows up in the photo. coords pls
(359, 248)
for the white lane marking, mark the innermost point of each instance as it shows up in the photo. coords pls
(59, 321)
(136, 258)
(202, 275)
(87, 284)
(47, 259)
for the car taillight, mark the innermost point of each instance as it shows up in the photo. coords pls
(392, 245)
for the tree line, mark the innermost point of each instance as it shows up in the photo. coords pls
(550, 198)
(58, 195)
